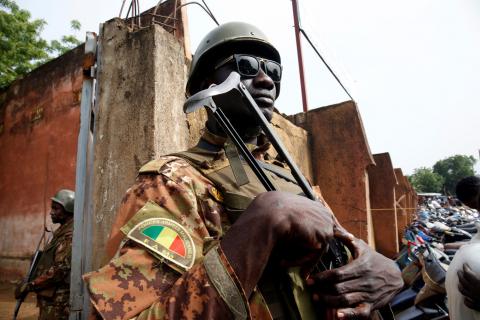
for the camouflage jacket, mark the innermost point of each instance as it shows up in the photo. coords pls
(141, 282)
(53, 271)
(52, 277)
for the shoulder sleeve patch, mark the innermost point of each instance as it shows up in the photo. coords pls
(154, 166)
(167, 238)
(157, 230)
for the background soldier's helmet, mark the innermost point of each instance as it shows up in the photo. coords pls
(66, 198)
(223, 41)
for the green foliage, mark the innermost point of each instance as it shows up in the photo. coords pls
(21, 47)
(453, 169)
(67, 43)
(425, 180)
(75, 25)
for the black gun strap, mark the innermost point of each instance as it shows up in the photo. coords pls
(278, 171)
(236, 165)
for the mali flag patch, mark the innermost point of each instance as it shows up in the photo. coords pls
(167, 238)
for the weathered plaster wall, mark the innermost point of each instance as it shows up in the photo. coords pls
(382, 199)
(39, 121)
(401, 195)
(295, 140)
(140, 113)
(412, 202)
(340, 155)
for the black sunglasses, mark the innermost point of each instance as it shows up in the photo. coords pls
(249, 66)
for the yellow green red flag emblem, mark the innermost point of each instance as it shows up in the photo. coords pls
(166, 238)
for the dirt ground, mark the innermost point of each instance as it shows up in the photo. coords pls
(28, 310)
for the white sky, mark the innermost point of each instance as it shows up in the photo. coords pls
(411, 65)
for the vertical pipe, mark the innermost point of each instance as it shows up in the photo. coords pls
(296, 20)
(82, 179)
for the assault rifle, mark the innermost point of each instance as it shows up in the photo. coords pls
(233, 92)
(29, 277)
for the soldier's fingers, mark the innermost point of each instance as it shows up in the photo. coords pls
(362, 311)
(343, 235)
(347, 300)
(349, 271)
(355, 285)
(347, 239)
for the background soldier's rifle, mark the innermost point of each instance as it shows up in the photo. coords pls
(29, 277)
(233, 92)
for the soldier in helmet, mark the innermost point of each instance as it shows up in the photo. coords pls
(192, 241)
(52, 276)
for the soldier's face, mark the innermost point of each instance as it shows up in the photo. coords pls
(57, 213)
(261, 87)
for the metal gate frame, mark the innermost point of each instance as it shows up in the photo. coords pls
(83, 210)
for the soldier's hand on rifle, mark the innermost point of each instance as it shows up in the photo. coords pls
(290, 229)
(22, 289)
(366, 283)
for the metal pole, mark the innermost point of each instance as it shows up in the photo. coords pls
(296, 20)
(82, 183)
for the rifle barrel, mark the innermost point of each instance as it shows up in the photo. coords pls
(17, 308)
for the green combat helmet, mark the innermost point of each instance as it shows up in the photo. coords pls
(225, 40)
(66, 198)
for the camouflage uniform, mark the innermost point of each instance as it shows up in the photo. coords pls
(138, 283)
(52, 277)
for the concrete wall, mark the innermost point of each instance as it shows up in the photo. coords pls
(295, 140)
(401, 202)
(382, 183)
(340, 155)
(139, 113)
(172, 19)
(412, 201)
(39, 121)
